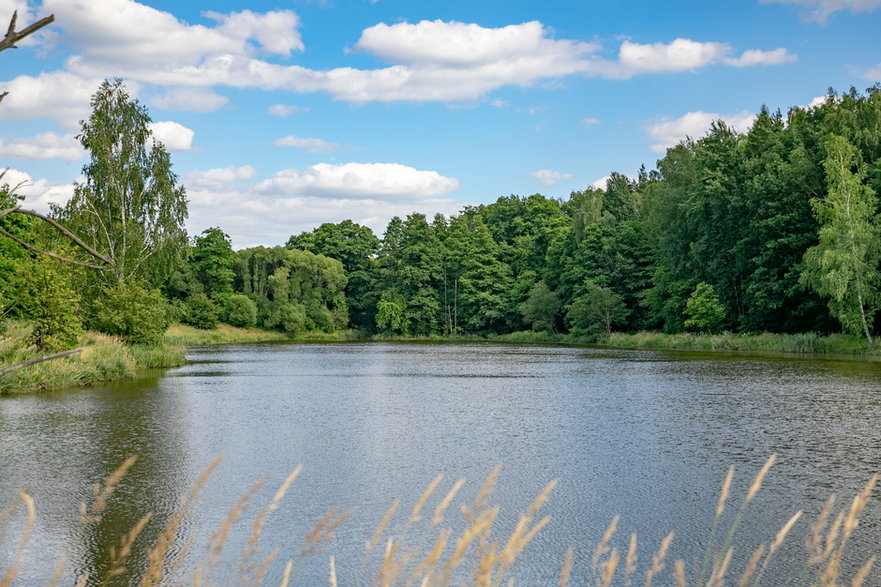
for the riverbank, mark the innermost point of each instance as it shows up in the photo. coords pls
(102, 358)
(803, 343)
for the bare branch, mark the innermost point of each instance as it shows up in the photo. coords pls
(64, 230)
(12, 37)
(31, 247)
(39, 360)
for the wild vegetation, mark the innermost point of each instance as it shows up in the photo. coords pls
(438, 543)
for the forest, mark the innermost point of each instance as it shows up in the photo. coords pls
(772, 230)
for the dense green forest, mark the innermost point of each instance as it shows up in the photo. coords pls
(774, 230)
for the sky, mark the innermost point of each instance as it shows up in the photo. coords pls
(282, 115)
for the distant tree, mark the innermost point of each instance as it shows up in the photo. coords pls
(201, 312)
(50, 304)
(240, 311)
(843, 266)
(540, 308)
(213, 260)
(597, 311)
(703, 311)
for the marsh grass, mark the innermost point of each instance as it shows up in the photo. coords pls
(180, 335)
(104, 358)
(804, 343)
(435, 545)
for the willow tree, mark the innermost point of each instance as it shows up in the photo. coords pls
(843, 266)
(130, 206)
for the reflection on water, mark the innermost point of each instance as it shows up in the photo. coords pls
(648, 435)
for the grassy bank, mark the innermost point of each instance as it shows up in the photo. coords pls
(181, 335)
(103, 358)
(804, 343)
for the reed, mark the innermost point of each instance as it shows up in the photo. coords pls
(426, 551)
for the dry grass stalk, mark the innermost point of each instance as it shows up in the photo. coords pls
(849, 524)
(483, 493)
(287, 574)
(217, 544)
(757, 482)
(332, 573)
(679, 574)
(483, 522)
(156, 555)
(82, 581)
(861, 575)
(751, 566)
(15, 567)
(100, 494)
(445, 503)
(324, 530)
(717, 579)
(723, 495)
(778, 540)
(608, 569)
(566, 571)
(252, 549)
(658, 560)
(603, 545)
(56, 574)
(117, 558)
(427, 566)
(630, 561)
(420, 503)
(377, 534)
(814, 541)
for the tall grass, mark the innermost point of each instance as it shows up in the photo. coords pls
(439, 544)
(104, 358)
(805, 343)
(182, 335)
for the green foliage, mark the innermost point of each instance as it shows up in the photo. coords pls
(540, 308)
(130, 310)
(390, 317)
(129, 207)
(703, 311)
(597, 311)
(843, 266)
(212, 261)
(47, 300)
(240, 311)
(292, 318)
(201, 312)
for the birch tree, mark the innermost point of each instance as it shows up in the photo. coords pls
(130, 207)
(843, 266)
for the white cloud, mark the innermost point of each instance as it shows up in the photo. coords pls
(309, 145)
(283, 111)
(549, 177)
(48, 145)
(38, 193)
(600, 184)
(190, 100)
(874, 74)
(58, 95)
(754, 57)
(590, 121)
(668, 132)
(219, 177)
(359, 180)
(820, 10)
(175, 136)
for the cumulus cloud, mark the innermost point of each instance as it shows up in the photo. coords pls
(310, 145)
(61, 96)
(549, 177)
(38, 193)
(190, 100)
(754, 57)
(600, 184)
(820, 10)
(219, 177)
(590, 121)
(668, 132)
(359, 180)
(283, 111)
(48, 145)
(175, 136)
(874, 74)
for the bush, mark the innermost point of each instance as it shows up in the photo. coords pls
(51, 304)
(201, 312)
(703, 309)
(293, 318)
(131, 311)
(240, 311)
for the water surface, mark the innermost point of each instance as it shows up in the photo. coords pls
(648, 435)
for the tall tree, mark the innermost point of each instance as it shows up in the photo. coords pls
(130, 206)
(213, 260)
(843, 266)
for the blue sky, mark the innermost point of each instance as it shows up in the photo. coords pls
(282, 115)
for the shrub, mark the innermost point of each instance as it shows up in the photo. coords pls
(201, 312)
(240, 311)
(131, 311)
(47, 299)
(703, 310)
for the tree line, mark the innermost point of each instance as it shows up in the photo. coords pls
(775, 229)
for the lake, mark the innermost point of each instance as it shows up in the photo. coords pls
(647, 435)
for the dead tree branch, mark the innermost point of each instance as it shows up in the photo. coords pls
(12, 36)
(12, 368)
